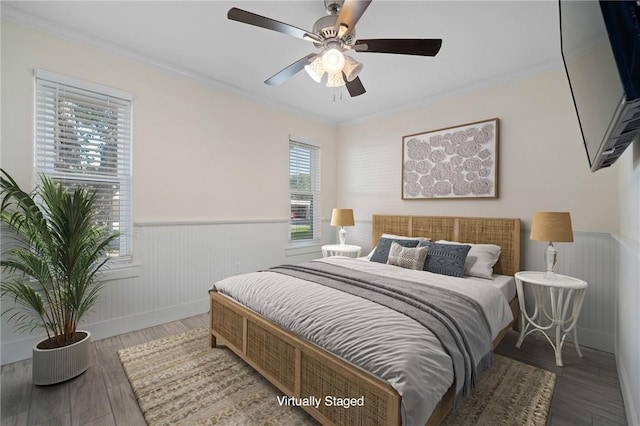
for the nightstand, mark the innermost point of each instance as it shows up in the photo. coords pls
(563, 296)
(339, 250)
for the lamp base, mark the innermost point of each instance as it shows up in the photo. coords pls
(551, 260)
(342, 235)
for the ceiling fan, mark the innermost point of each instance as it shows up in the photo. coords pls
(334, 35)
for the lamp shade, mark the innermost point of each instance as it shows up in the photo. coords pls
(552, 226)
(335, 80)
(351, 68)
(342, 217)
(314, 69)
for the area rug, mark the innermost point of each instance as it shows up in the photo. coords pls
(180, 380)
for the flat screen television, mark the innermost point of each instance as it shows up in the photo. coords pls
(600, 45)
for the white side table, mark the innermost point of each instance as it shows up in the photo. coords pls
(338, 250)
(565, 297)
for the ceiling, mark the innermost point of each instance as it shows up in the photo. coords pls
(484, 43)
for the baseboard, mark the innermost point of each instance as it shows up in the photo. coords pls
(588, 339)
(595, 340)
(19, 349)
(627, 395)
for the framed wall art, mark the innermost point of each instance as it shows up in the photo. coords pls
(451, 163)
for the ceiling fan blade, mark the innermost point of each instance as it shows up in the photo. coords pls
(245, 17)
(354, 86)
(350, 13)
(402, 46)
(289, 71)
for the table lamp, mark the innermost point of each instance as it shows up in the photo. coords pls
(342, 218)
(551, 226)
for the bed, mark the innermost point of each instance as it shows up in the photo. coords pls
(300, 368)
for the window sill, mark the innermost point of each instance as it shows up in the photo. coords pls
(307, 247)
(122, 272)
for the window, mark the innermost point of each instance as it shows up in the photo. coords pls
(83, 139)
(304, 190)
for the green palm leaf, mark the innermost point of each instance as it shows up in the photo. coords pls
(55, 254)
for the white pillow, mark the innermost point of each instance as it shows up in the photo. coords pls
(402, 237)
(480, 260)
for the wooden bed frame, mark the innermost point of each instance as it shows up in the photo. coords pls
(300, 369)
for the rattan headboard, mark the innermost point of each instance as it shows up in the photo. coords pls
(478, 230)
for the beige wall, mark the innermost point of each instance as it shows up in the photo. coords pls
(198, 153)
(629, 175)
(542, 165)
(183, 172)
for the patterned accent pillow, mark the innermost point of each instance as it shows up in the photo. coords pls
(407, 257)
(381, 253)
(445, 259)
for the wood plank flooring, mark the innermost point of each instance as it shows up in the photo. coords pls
(587, 390)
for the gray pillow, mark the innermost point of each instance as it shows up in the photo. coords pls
(407, 257)
(381, 253)
(445, 259)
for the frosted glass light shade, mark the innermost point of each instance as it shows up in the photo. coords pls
(335, 80)
(315, 69)
(351, 68)
(333, 61)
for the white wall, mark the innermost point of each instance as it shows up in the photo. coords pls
(542, 166)
(627, 327)
(207, 164)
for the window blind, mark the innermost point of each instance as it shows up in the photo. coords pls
(83, 139)
(304, 190)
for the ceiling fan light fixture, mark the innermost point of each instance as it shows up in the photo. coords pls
(315, 69)
(351, 68)
(333, 61)
(335, 80)
(334, 35)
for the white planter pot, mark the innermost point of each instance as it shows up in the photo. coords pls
(52, 366)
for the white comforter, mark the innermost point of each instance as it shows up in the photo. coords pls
(380, 340)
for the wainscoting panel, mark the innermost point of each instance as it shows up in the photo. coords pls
(175, 265)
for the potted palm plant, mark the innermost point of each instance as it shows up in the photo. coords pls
(52, 258)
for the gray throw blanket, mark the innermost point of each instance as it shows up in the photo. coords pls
(456, 320)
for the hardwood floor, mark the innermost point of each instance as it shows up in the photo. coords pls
(587, 390)
(100, 396)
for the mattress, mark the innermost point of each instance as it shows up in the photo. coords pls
(505, 283)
